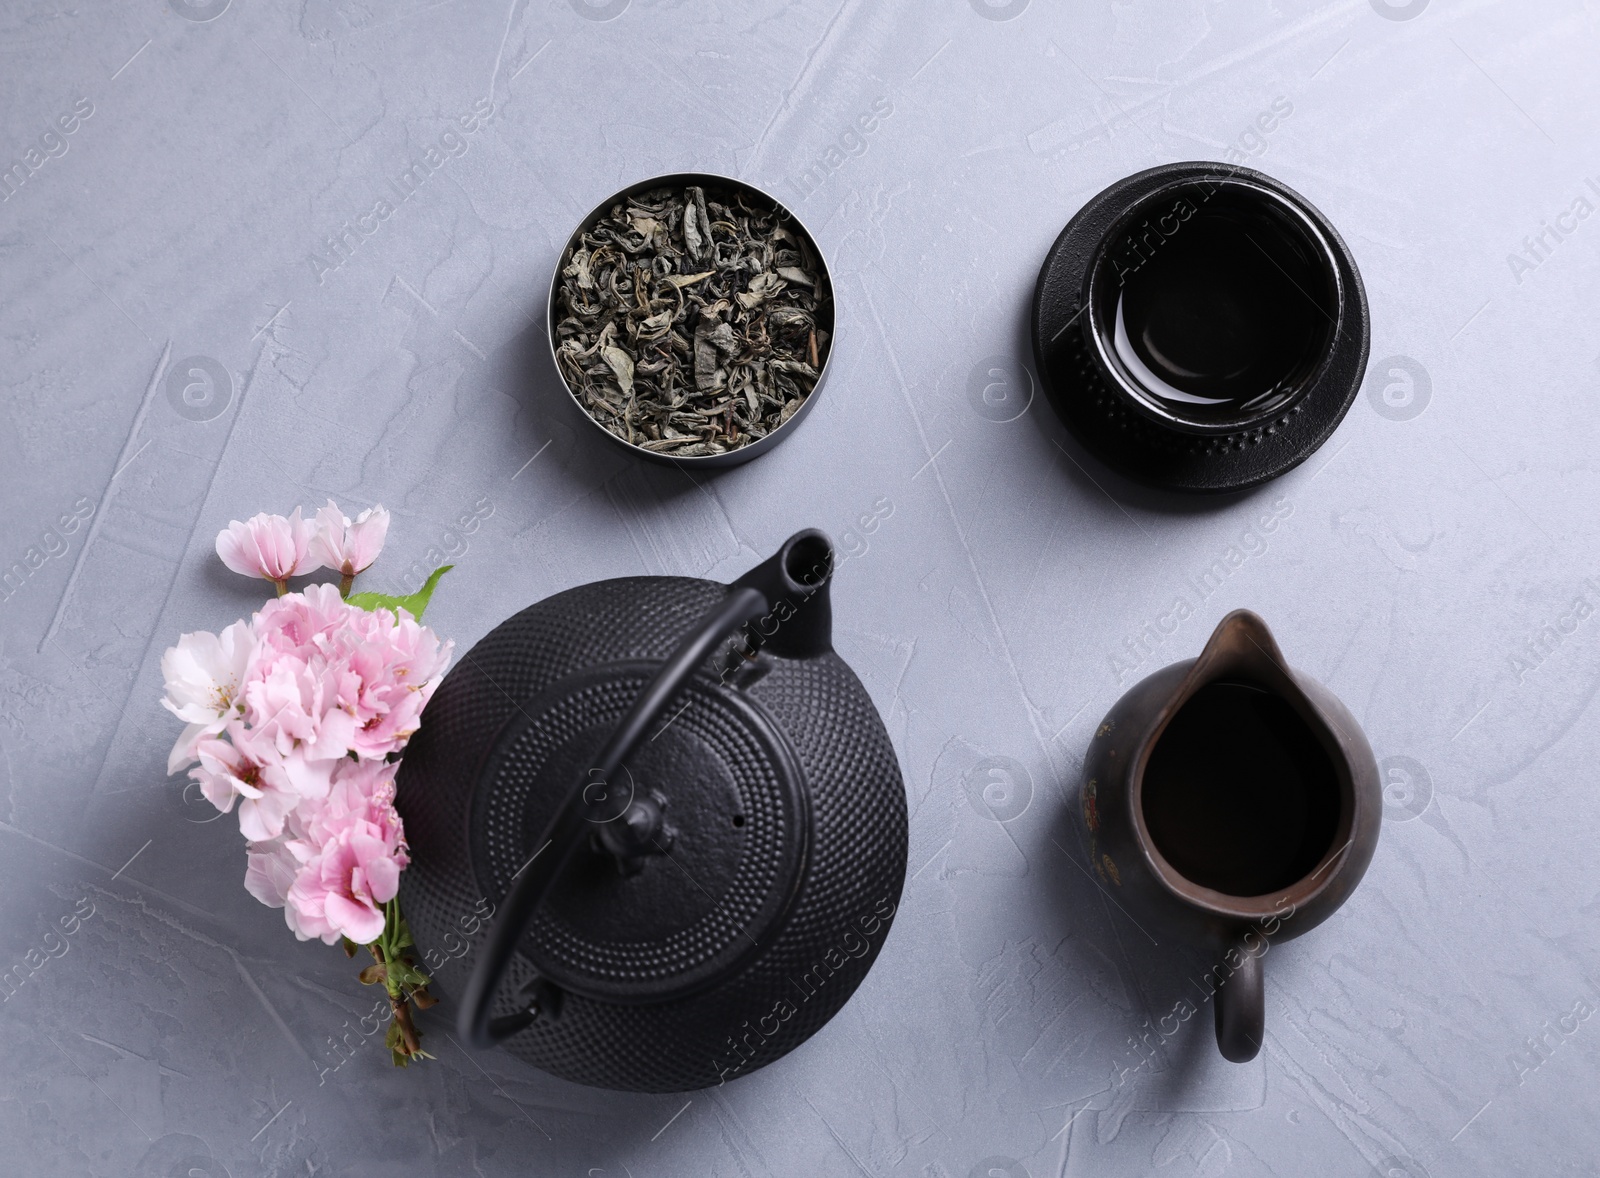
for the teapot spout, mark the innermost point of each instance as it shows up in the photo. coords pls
(794, 580)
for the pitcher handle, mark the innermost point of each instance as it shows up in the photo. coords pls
(574, 821)
(1241, 1010)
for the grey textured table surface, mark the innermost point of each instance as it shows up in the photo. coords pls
(1433, 563)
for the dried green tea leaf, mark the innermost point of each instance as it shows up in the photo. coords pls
(580, 270)
(696, 225)
(762, 287)
(654, 328)
(705, 359)
(622, 364)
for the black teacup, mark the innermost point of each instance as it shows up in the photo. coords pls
(1200, 327)
(1213, 305)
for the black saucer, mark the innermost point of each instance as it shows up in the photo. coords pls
(1171, 444)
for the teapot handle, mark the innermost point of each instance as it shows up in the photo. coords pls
(566, 832)
(1241, 1011)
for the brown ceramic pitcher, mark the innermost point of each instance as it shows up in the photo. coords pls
(1232, 803)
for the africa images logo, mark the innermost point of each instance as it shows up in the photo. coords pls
(340, 247)
(855, 943)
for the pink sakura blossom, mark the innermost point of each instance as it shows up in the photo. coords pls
(311, 681)
(229, 772)
(269, 546)
(337, 861)
(204, 674)
(342, 887)
(292, 705)
(330, 678)
(362, 791)
(301, 624)
(271, 872)
(393, 666)
(294, 717)
(349, 548)
(270, 868)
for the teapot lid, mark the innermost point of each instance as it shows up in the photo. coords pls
(724, 872)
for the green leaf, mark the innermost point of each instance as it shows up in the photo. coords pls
(414, 604)
(402, 932)
(405, 974)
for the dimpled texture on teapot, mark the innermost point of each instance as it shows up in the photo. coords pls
(852, 876)
(688, 916)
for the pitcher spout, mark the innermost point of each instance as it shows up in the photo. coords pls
(794, 580)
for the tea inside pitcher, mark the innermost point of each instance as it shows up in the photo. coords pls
(1239, 795)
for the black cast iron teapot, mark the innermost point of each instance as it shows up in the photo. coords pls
(686, 814)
